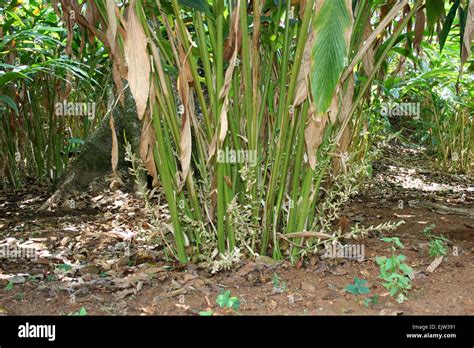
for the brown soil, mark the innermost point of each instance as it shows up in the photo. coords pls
(104, 280)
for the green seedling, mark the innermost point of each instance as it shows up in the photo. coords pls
(206, 313)
(427, 231)
(394, 272)
(437, 244)
(81, 312)
(279, 286)
(358, 287)
(9, 286)
(224, 300)
(371, 301)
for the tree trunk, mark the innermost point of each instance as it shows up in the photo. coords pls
(94, 159)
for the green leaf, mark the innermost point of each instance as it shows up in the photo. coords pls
(394, 240)
(64, 267)
(448, 22)
(434, 11)
(9, 286)
(398, 243)
(329, 51)
(406, 269)
(9, 76)
(389, 264)
(234, 303)
(206, 313)
(438, 73)
(358, 288)
(371, 300)
(198, 5)
(223, 299)
(9, 102)
(380, 260)
(82, 312)
(401, 258)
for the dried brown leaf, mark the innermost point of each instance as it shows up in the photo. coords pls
(112, 27)
(185, 145)
(138, 62)
(420, 21)
(114, 145)
(313, 136)
(468, 33)
(147, 143)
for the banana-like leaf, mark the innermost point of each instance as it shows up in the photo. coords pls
(434, 11)
(9, 76)
(4, 99)
(198, 5)
(331, 25)
(448, 22)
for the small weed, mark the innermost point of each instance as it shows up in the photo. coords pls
(81, 312)
(224, 300)
(279, 286)
(394, 272)
(371, 301)
(9, 286)
(437, 244)
(358, 288)
(428, 229)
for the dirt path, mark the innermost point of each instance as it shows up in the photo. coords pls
(83, 260)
